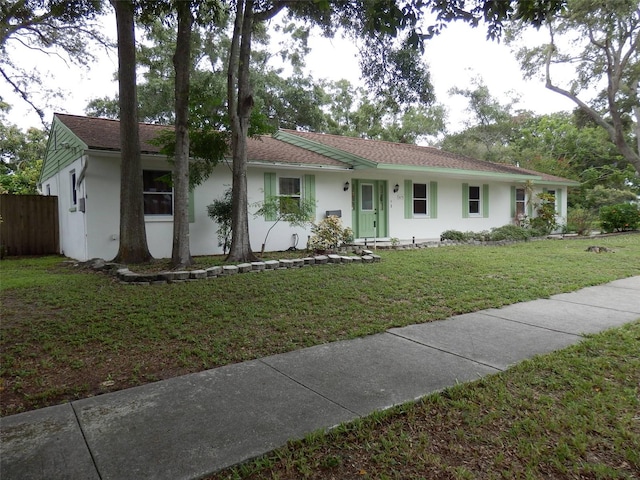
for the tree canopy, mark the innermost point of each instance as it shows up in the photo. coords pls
(600, 43)
(52, 28)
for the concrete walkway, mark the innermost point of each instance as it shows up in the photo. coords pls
(193, 425)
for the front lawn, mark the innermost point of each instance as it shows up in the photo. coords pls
(68, 333)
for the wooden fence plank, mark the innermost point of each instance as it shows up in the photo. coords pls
(29, 225)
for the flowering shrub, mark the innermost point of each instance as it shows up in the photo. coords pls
(328, 234)
(545, 219)
(620, 217)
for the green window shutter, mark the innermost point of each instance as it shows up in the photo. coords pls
(465, 200)
(310, 191)
(530, 209)
(513, 202)
(485, 201)
(559, 202)
(269, 191)
(192, 207)
(433, 199)
(408, 199)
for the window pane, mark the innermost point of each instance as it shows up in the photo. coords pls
(289, 204)
(520, 194)
(367, 197)
(474, 193)
(419, 207)
(158, 204)
(289, 186)
(474, 206)
(74, 192)
(156, 181)
(158, 192)
(420, 190)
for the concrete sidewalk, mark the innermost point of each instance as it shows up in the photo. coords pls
(193, 425)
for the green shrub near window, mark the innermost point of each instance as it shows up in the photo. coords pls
(619, 218)
(454, 235)
(510, 232)
(506, 232)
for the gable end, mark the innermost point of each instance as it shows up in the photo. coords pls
(63, 148)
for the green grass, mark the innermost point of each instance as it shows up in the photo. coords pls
(68, 333)
(570, 414)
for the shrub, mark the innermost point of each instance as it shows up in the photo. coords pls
(454, 235)
(620, 217)
(545, 219)
(509, 232)
(328, 234)
(580, 220)
(220, 212)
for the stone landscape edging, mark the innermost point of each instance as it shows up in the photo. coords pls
(127, 277)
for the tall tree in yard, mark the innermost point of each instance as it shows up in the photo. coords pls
(133, 237)
(181, 254)
(601, 42)
(240, 103)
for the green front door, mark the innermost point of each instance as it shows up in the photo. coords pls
(370, 208)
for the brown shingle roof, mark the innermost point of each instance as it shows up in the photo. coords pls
(104, 134)
(404, 154)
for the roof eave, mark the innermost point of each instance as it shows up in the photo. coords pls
(458, 171)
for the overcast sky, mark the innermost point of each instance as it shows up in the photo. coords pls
(454, 57)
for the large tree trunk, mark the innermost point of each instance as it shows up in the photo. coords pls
(240, 100)
(133, 237)
(181, 255)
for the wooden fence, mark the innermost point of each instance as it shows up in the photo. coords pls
(29, 225)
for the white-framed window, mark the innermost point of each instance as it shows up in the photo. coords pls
(520, 203)
(475, 201)
(158, 193)
(48, 189)
(74, 192)
(420, 200)
(289, 191)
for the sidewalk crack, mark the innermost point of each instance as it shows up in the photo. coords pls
(309, 388)
(86, 441)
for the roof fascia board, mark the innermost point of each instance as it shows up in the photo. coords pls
(298, 166)
(569, 183)
(335, 153)
(458, 172)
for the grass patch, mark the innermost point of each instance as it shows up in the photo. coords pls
(68, 333)
(570, 414)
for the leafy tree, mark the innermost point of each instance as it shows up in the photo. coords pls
(49, 27)
(297, 213)
(351, 112)
(600, 41)
(21, 154)
(489, 128)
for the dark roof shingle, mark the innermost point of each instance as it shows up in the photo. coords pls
(104, 134)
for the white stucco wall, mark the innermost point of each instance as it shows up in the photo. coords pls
(96, 232)
(72, 220)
